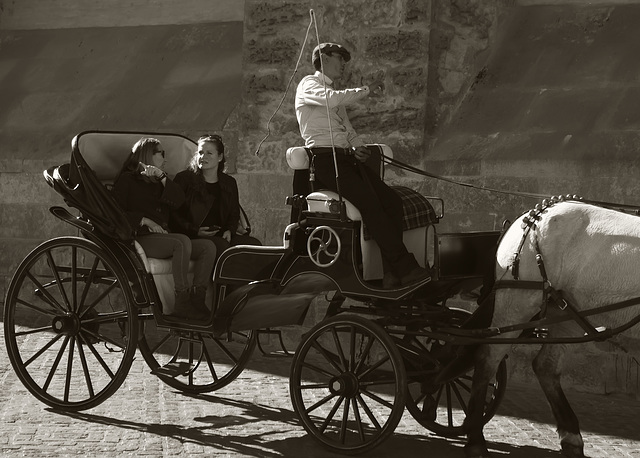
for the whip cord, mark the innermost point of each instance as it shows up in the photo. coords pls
(295, 70)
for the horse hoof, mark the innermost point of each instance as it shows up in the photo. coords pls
(572, 451)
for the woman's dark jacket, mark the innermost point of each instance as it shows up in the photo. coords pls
(198, 201)
(141, 197)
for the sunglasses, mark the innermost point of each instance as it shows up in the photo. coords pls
(210, 137)
(159, 152)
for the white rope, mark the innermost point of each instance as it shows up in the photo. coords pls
(326, 98)
(295, 70)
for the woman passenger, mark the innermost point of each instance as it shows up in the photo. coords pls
(148, 197)
(212, 207)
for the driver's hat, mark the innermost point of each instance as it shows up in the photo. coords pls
(329, 48)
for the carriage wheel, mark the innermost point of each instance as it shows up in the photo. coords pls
(70, 329)
(442, 408)
(348, 384)
(195, 362)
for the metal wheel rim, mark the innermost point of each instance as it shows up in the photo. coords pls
(70, 330)
(372, 385)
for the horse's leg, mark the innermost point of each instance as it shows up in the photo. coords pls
(547, 366)
(487, 359)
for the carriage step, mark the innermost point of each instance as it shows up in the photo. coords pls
(172, 369)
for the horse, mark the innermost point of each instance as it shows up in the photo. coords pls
(588, 256)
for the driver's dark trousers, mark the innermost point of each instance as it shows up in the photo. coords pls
(379, 205)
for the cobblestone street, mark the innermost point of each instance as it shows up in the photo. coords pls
(253, 417)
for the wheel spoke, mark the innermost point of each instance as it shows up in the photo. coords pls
(56, 274)
(34, 331)
(338, 345)
(99, 358)
(330, 357)
(459, 397)
(47, 295)
(374, 367)
(352, 349)
(74, 266)
(67, 384)
(462, 385)
(85, 367)
(212, 369)
(378, 399)
(36, 308)
(449, 408)
(104, 294)
(54, 366)
(356, 413)
(345, 421)
(379, 382)
(314, 386)
(365, 353)
(315, 368)
(369, 413)
(43, 349)
(161, 343)
(89, 281)
(332, 413)
(320, 403)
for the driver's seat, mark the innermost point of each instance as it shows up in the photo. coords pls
(319, 201)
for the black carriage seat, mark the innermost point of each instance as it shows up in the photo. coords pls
(105, 152)
(419, 232)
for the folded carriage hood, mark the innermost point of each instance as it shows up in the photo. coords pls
(268, 304)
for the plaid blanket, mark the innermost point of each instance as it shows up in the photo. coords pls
(418, 212)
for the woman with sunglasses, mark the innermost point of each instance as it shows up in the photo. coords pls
(212, 206)
(148, 198)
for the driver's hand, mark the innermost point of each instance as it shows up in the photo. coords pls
(361, 153)
(375, 83)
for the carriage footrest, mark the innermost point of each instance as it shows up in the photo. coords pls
(172, 369)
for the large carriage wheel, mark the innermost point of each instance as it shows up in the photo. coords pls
(348, 384)
(70, 328)
(195, 362)
(442, 408)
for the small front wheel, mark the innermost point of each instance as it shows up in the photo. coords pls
(195, 361)
(442, 408)
(348, 384)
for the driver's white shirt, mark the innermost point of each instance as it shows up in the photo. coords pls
(311, 111)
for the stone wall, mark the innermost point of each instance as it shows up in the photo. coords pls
(387, 39)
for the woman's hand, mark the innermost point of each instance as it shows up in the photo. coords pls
(227, 235)
(153, 226)
(206, 231)
(151, 171)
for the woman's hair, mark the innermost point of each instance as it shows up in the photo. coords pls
(216, 141)
(142, 151)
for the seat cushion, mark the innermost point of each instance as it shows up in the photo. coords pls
(320, 202)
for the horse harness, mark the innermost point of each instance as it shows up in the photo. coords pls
(550, 295)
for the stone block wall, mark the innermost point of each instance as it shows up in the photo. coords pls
(387, 39)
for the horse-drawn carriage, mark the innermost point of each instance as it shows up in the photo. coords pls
(78, 307)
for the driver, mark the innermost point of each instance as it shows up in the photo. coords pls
(379, 205)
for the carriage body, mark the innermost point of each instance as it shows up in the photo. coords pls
(94, 299)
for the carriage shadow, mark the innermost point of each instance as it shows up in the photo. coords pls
(270, 443)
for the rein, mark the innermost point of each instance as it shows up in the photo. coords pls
(635, 209)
